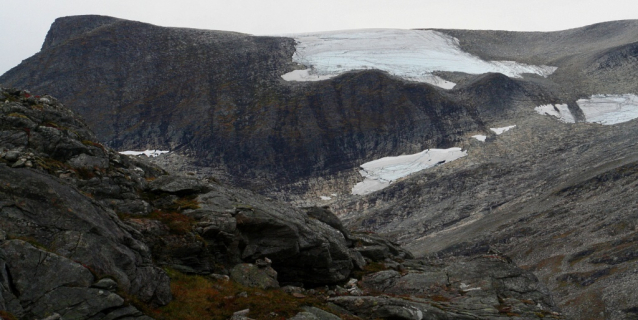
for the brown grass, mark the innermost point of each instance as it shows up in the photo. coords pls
(176, 222)
(6, 315)
(198, 297)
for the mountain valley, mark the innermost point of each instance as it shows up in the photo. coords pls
(267, 136)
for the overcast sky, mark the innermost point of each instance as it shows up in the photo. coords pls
(24, 23)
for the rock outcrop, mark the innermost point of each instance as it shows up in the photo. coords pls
(78, 241)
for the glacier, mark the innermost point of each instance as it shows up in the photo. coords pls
(410, 54)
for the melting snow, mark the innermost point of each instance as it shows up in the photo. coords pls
(603, 109)
(148, 153)
(480, 137)
(304, 75)
(609, 109)
(380, 173)
(501, 130)
(560, 111)
(410, 54)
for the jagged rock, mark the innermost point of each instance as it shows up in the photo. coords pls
(302, 249)
(377, 248)
(324, 215)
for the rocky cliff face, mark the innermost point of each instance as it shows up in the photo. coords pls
(218, 98)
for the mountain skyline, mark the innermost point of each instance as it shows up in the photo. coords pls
(24, 26)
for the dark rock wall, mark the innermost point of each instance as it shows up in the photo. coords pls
(218, 96)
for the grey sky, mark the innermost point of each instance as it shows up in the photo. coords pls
(24, 23)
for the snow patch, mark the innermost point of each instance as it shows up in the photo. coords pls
(410, 54)
(324, 198)
(379, 174)
(466, 287)
(609, 109)
(560, 111)
(148, 153)
(305, 75)
(480, 137)
(501, 130)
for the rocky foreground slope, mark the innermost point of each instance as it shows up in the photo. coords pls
(560, 199)
(87, 233)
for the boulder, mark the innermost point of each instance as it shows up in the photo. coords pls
(178, 185)
(251, 275)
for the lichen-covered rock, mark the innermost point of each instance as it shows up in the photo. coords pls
(35, 284)
(251, 275)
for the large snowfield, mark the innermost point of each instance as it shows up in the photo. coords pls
(378, 174)
(603, 109)
(409, 54)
